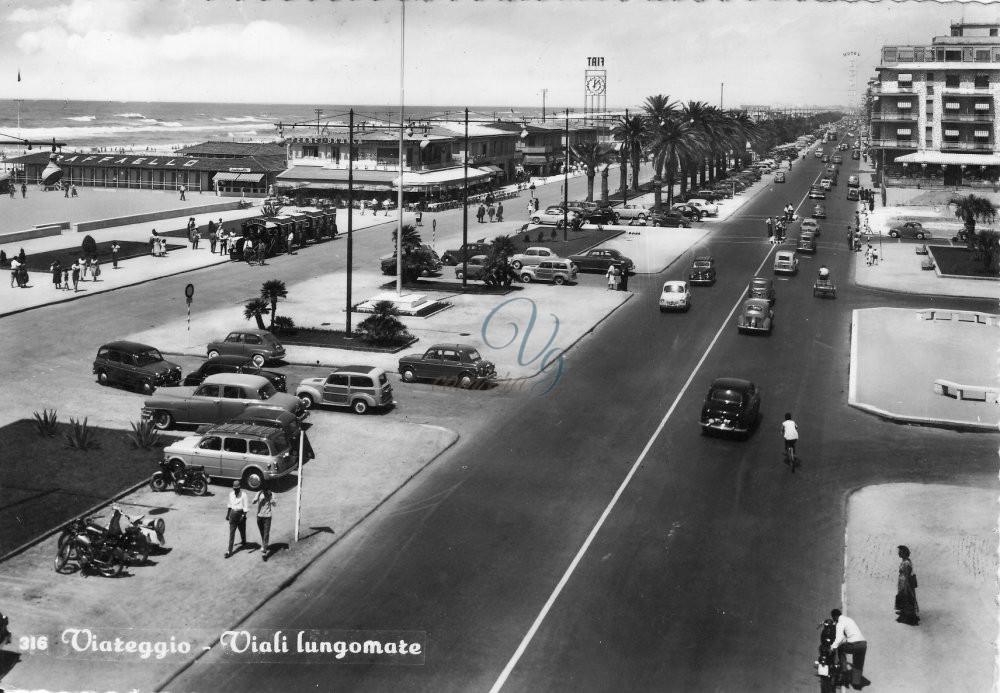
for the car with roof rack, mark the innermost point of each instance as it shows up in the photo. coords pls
(358, 387)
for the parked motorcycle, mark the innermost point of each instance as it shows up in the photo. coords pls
(147, 536)
(829, 667)
(87, 548)
(133, 538)
(183, 477)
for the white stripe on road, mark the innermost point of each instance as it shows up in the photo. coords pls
(526, 640)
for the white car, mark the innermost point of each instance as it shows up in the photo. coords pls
(676, 295)
(632, 213)
(531, 257)
(810, 225)
(705, 207)
(827, 183)
(553, 215)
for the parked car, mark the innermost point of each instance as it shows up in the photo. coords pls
(219, 398)
(258, 345)
(233, 364)
(756, 317)
(705, 207)
(134, 365)
(807, 242)
(532, 256)
(590, 212)
(702, 270)
(819, 154)
(669, 219)
(459, 363)
(785, 262)
(853, 182)
(252, 454)
(599, 259)
(732, 405)
(455, 257)
(761, 287)
(779, 177)
(856, 155)
(262, 415)
(819, 212)
(675, 296)
(816, 192)
(632, 213)
(554, 215)
(473, 268)
(910, 229)
(556, 271)
(826, 159)
(689, 212)
(423, 261)
(810, 225)
(706, 194)
(357, 387)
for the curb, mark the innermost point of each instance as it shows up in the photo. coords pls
(284, 584)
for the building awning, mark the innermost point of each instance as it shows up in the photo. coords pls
(443, 177)
(945, 159)
(951, 133)
(536, 159)
(336, 178)
(494, 168)
(980, 106)
(903, 77)
(982, 133)
(951, 105)
(904, 104)
(904, 131)
(238, 177)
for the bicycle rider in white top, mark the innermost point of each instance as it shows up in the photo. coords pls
(790, 432)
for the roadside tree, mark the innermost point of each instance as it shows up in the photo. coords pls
(971, 209)
(592, 155)
(383, 327)
(271, 291)
(629, 131)
(256, 310)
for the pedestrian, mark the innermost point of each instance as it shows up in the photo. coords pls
(24, 190)
(223, 241)
(236, 516)
(83, 268)
(420, 216)
(850, 641)
(56, 269)
(248, 251)
(779, 230)
(623, 273)
(386, 204)
(289, 240)
(770, 230)
(76, 277)
(874, 256)
(183, 190)
(264, 500)
(868, 255)
(531, 207)
(612, 276)
(14, 267)
(65, 191)
(491, 211)
(850, 238)
(95, 268)
(115, 249)
(907, 609)
(261, 251)
(195, 237)
(480, 213)
(72, 190)
(212, 240)
(499, 211)
(65, 279)
(871, 203)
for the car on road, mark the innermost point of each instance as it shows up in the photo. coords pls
(756, 317)
(853, 182)
(837, 158)
(826, 159)
(632, 213)
(810, 225)
(910, 229)
(761, 287)
(259, 345)
(558, 271)
(732, 405)
(819, 154)
(219, 398)
(706, 207)
(134, 365)
(233, 364)
(532, 256)
(702, 271)
(455, 257)
(359, 387)
(807, 242)
(249, 453)
(473, 268)
(816, 192)
(424, 261)
(819, 212)
(779, 177)
(676, 295)
(599, 259)
(458, 364)
(670, 219)
(689, 212)
(826, 184)
(591, 212)
(706, 194)
(554, 215)
(856, 155)
(852, 194)
(785, 262)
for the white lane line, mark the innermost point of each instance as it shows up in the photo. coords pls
(526, 640)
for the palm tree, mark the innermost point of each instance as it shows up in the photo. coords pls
(703, 120)
(255, 310)
(987, 244)
(411, 238)
(970, 209)
(741, 129)
(498, 270)
(592, 155)
(383, 327)
(669, 139)
(271, 291)
(629, 130)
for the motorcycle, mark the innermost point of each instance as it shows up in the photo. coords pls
(184, 478)
(80, 543)
(134, 539)
(830, 668)
(144, 537)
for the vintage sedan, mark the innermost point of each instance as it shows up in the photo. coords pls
(675, 296)
(669, 219)
(448, 364)
(756, 317)
(779, 177)
(472, 268)
(554, 215)
(807, 242)
(532, 256)
(233, 364)
(632, 213)
(816, 192)
(357, 387)
(702, 271)
(706, 207)
(819, 212)
(599, 259)
(259, 345)
(732, 405)
(910, 229)
(761, 287)
(785, 262)
(251, 454)
(810, 225)
(687, 211)
(219, 398)
(455, 257)
(134, 365)
(557, 271)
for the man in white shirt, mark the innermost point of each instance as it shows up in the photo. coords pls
(849, 640)
(236, 514)
(790, 433)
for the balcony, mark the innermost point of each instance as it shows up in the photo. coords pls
(965, 90)
(539, 150)
(891, 88)
(895, 143)
(952, 117)
(942, 54)
(895, 116)
(966, 146)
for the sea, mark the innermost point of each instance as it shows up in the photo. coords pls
(95, 126)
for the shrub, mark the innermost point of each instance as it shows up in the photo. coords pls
(553, 233)
(89, 246)
(3, 259)
(540, 236)
(284, 325)
(45, 423)
(81, 437)
(144, 435)
(383, 328)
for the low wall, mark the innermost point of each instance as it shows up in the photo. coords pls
(959, 315)
(37, 232)
(57, 224)
(156, 216)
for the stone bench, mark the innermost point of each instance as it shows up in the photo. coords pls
(976, 393)
(927, 264)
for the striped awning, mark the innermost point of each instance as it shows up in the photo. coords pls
(904, 104)
(982, 133)
(904, 131)
(904, 77)
(951, 133)
(982, 106)
(951, 105)
(238, 177)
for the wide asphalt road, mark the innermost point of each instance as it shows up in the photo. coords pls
(593, 540)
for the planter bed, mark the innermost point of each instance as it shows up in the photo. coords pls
(336, 339)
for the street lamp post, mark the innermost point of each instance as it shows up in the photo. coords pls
(350, 214)
(399, 209)
(465, 203)
(566, 182)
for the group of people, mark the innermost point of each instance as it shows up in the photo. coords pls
(70, 190)
(157, 245)
(617, 277)
(77, 272)
(494, 212)
(776, 228)
(236, 516)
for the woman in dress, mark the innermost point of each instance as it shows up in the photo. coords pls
(906, 590)
(612, 276)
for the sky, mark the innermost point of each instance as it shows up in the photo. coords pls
(456, 52)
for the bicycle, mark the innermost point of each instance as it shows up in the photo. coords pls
(790, 458)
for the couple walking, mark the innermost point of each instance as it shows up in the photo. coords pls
(617, 278)
(236, 516)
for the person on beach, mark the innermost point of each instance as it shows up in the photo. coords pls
(115, 249)
(183, 190)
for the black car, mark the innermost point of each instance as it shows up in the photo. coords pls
(671, 219)
(707, 195)
(732, 405)
(455, 257)
(234, 364)
(447, 364)
(134, 365)
(689, 212)
(591, 212)
(702, 270)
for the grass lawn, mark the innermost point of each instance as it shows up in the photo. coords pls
(959, 262)
(336, 339)
(44, 484)
(40, 262)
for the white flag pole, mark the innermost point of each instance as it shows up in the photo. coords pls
(298, 491)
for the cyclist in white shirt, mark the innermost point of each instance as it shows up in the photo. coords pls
(790, 432)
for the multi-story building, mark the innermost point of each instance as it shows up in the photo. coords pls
(933, 113)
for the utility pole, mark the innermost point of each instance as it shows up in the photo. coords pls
(319, 112)
(544, 92)
(722, 87)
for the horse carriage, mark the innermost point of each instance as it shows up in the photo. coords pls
(304, 227)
